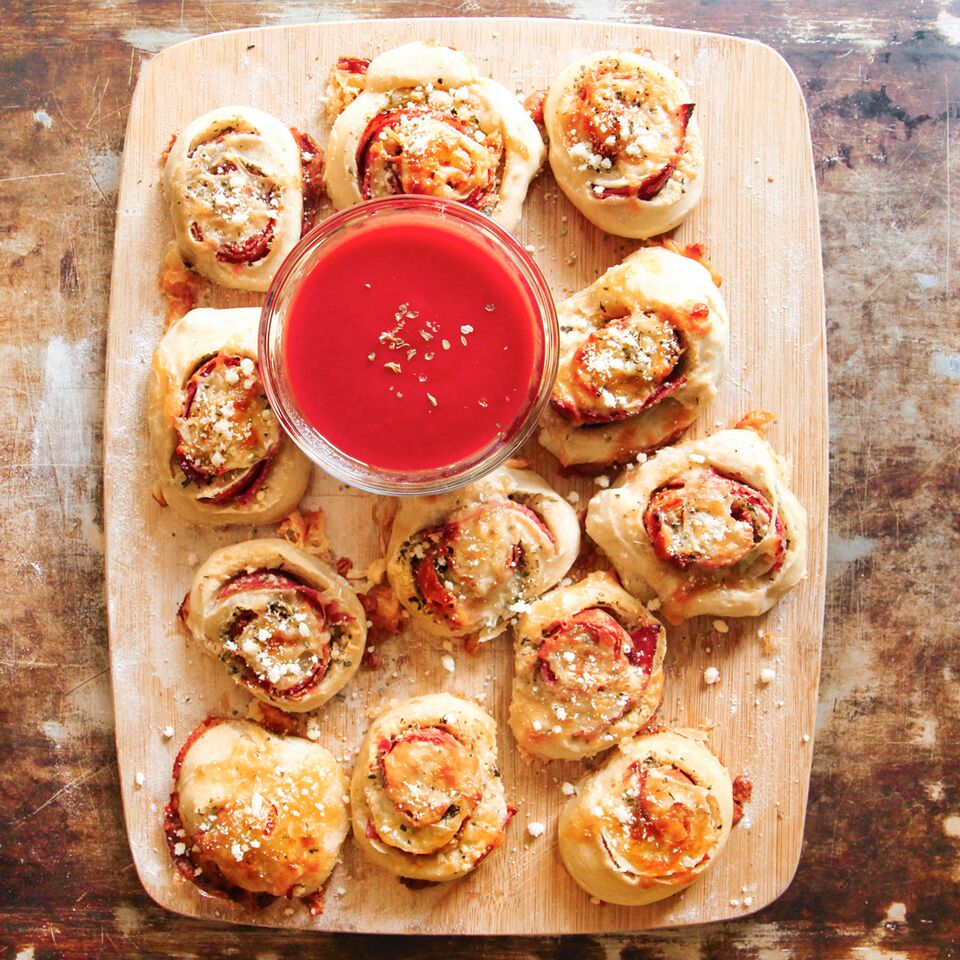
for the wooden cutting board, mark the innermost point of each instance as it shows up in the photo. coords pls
(759, 221)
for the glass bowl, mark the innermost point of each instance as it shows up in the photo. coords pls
(338, 229)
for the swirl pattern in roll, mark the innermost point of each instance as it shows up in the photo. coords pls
(254, 815)
(427, 799)
(427, 123)
(624, 144)
(650, 821)
(290, 630)
(219, 453)
(709, 526)
(642, 350)
(588, 670)
(463, 563)
(234, 182)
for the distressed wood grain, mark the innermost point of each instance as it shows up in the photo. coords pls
(881, 863)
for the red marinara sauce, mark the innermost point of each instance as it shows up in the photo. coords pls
(412, 343)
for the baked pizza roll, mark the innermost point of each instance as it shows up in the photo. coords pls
(588, 670)
(427, 799)
(290, 629)
(642, 350)
(254, 815)
(218, 450)
(426, 122)
(650, 821)
(464, 562)
(234, 182)
(624, 144)
(709, 526)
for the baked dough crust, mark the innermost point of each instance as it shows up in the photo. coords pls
(248, 594)
(256, 812)
(588, 670)
(193, 339)
(426, 797)
(234, 183)
(615, 520)
(596, 418)
(485, 154)
(598, 828)
(607, 173)
(514, 535)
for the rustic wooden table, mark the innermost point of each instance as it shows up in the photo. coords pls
(880, 873)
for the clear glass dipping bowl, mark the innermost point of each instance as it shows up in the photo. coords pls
(311, 441)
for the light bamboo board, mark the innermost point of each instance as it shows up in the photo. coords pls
(759, 221)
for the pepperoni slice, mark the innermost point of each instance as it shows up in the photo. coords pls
(427, 772)
(280, 632)
(712, 522)
(425, 151)
(477, 560)
(227, 435)
(671, 829)
(625, 366)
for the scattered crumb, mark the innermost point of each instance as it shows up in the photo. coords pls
(567, 788)
(806, 738)
(595, 901)
(720, 626)
(535, 828)
(767, 675)
(139, 779)
(573, 496)
(448, 663)
(167, 732)
(654, 604)
(192, 559)
(711, 675)
(603, 481)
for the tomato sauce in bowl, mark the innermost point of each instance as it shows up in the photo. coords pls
(409, 345)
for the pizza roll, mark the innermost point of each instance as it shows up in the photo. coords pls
(650, 821)
(709, 526)
(426, 122)
(290, 629)
(624, 144)
(427, 799)
(588, 670)
(218, 450)
(234, 182)
(463, 563)
(254, 815)
(642, 350)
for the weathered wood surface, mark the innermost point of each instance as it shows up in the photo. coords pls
(881, 866)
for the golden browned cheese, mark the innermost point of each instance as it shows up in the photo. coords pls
(463, 563)
(427, 799)
(290, 629)
(709, 527)
(234, 183)
(260, 812)
(588, 669)
(217, 449)
(650, 821)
